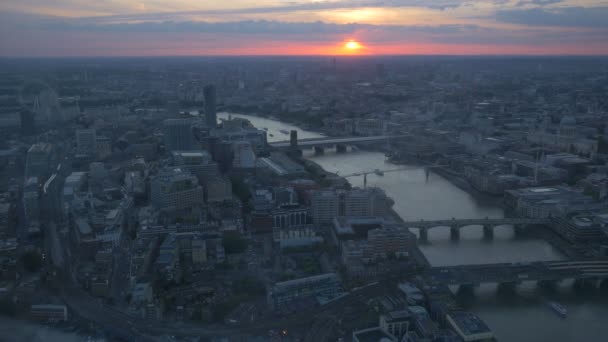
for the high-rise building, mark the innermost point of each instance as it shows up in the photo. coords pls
(244, 157)
(210, 110)
(178, 134)
(31, 204)
(327, 204)
(175, 188)
(28, 126)
(86, 141)
(38, 160)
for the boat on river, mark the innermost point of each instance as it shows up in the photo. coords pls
(558, 309)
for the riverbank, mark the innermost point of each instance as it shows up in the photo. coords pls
(417, 254)
(437, 197)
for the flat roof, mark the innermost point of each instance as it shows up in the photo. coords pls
(467, 324)
(372, 335)
(307, 279)
(398, 315)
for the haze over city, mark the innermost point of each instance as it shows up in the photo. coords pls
(303, 27)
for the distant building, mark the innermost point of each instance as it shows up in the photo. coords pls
(210, 109)
(469, 327)
(297, 236)
(39, 160)
(86, 141)
(31, 204)
(104, 147)
(244, 157)
(198, 162)
(545, 202)
(396, 323)
(584, 227)
(178, 134)
(219, 189)
(327, 204)
(279, 164)
(237, 130)
(321, 287)
(199, 251)
(375, 334)
(368, 239)
(28, 122)
(49, 312)
(175, 188)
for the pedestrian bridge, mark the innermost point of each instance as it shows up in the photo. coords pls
(487, 224)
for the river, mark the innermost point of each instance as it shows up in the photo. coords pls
(523, 317)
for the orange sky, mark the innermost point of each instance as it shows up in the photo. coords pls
(295, 27)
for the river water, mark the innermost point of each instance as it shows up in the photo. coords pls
(523, 317)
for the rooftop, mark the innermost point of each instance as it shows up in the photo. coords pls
(372, 335)
(469, 326)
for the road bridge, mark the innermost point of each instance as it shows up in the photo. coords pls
(487, 224)
(592, 270)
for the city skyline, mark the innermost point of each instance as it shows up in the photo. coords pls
(275, 27)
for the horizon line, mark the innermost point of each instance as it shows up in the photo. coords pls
(302, 55)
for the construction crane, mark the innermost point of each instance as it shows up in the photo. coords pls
(377, 172)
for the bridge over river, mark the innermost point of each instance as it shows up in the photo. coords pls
(339, 142)
(488, 225)
(505, 273)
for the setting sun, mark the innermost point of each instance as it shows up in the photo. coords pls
(352, 45)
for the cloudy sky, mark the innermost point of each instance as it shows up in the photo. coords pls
(295, 27)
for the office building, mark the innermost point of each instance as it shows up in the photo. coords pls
(49, 312)
(545, 202)
(28, 126)
(396, 323)
(244, 157)
(39, 160)
(469, 326)
(327, 204)
(175, 188)
(219, 189)
(210, 109)
(31, 205)
(198, 163)
(375, 334)
(199, 251)
(178, 134)
(86, 142)
(321, 287)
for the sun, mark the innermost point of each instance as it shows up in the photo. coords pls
(352, 45)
